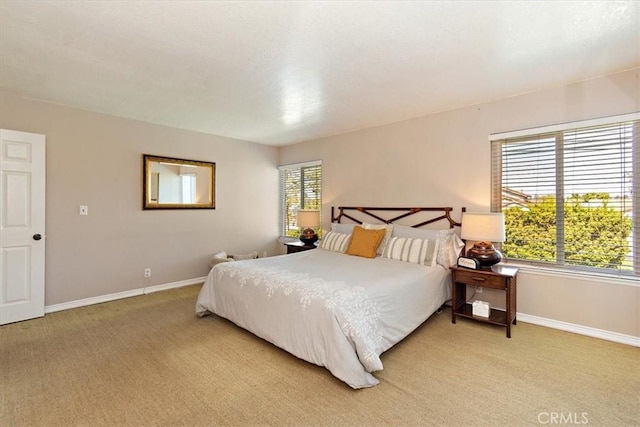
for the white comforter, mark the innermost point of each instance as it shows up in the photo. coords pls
(331, 309)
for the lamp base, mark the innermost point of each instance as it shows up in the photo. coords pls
(485, 253)
(308, 236)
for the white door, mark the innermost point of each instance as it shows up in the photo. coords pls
(22, 234)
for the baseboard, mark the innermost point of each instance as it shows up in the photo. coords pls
(120, 295)
(579, 329)
(167, 286)
(527, 318)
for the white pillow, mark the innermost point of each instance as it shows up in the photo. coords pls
(385, 239)
(334, 241)
(342, 228)
(418, 251)
(242, 257)
(416, 233)
(220, 255)
(450, 247)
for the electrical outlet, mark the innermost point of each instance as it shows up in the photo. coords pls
(479, 289)
(147, 272)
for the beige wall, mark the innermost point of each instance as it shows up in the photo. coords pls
(96, 160)
(444, 159)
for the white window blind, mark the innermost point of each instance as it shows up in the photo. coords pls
(300, 188)
(570, 196)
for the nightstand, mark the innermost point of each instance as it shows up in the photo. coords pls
(499, 277)
(293, 247)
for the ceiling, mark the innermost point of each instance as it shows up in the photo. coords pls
(277, 73)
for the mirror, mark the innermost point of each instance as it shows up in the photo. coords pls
(178, 183)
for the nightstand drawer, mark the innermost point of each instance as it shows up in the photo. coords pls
(471, 277)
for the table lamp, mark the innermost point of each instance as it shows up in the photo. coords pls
(307, 219)
(483, 228)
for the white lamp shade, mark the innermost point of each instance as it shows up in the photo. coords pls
(483, 226)
(308, 218)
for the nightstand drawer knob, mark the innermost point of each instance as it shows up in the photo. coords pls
(480, 279)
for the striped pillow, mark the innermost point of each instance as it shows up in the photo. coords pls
(418, 251)
(337, 242)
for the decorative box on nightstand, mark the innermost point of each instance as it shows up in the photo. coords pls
(498, 277)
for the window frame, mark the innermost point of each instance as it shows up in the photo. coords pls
(499, 139)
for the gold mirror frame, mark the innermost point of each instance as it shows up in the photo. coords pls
(171, 183)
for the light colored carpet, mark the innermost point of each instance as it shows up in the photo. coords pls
(149, 360)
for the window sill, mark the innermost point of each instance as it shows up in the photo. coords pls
(577, 275)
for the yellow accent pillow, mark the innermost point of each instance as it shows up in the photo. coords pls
(364, 242)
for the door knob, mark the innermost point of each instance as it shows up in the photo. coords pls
(37, 237)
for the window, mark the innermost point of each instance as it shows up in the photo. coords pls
(188, 181)
(570, 195)
(300, 188)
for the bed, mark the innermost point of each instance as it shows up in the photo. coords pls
(338, 310)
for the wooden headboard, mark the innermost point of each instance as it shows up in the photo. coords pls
(365, 212)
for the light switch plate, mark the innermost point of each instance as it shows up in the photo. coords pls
(84, 210)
